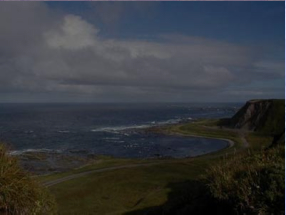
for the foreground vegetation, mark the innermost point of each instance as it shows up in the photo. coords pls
(19, 193)
(251, 182)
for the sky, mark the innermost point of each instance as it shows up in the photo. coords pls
(141, 51)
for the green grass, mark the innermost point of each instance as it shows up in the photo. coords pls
(259, 141)
(122, 190)
(255, 186)
(274, 123)
(19, 192)
(99, 163)
(161, 188)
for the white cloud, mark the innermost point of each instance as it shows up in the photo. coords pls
(199, 63)
(66, 54)
(74, 33)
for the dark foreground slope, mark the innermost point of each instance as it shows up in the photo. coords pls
(247, 182)
(253, 182)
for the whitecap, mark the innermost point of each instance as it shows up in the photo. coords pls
(116, 129)
(23, 151)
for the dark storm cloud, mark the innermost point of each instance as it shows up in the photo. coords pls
(51, 52)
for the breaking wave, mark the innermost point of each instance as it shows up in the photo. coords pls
(19, 152)
(117, 129)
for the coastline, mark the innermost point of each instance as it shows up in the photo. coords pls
(38, 162)
(120, 163)
(162, 129)
(230, 142)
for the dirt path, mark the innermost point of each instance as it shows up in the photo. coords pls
(243, 139)
(77, 175)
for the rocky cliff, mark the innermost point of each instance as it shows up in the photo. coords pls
(267, 116)
(251, 115)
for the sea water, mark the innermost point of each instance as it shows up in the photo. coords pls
(107, 129)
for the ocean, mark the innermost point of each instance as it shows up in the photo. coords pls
(107, 129)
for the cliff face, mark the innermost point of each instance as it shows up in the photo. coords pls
(251, 115)
(266, 116)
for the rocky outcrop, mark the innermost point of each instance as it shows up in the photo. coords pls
(252, 115)
(266, 116)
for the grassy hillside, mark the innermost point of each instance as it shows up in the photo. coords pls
(250, 183)
(246, 183)
(124, 190)
(182, 186)
(247, 178)
(138, 189)
(19, 193)
(274, 122)
(133, 189)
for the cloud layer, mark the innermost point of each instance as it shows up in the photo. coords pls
(48, 52)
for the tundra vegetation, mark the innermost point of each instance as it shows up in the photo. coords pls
(19, 192)
(247, 178)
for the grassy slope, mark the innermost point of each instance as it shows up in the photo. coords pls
(120, 191)
(255, 186)
(99, 163)
(274, 123)
(19, 192)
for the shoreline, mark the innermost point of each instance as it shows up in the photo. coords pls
(153, 161)
(33, 160)
(146, 130)
(160, 130)
(230, 142)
